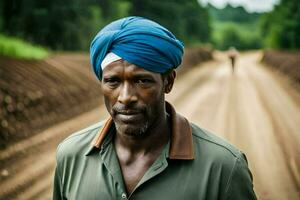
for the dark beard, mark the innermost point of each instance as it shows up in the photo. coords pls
(138, 129)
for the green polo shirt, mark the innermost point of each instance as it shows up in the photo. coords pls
(194, 165)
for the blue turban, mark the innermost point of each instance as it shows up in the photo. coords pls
(138, 41)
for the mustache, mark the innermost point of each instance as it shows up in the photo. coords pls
(121, 109)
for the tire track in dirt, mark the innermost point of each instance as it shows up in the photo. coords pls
(255, 134)
(183, 86)
(286, 121)
(35, 157)
(233, 108)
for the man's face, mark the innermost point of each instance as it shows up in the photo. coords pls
(133, 96)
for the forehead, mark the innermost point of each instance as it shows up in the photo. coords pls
(122, 67)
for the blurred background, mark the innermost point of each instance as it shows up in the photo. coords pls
(48, 91)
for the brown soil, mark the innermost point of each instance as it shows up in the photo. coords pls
(35, 95)
(285, 62)
(194, 56)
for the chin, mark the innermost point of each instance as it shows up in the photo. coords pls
(132, 130)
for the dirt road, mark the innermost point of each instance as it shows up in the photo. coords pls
(254, 108)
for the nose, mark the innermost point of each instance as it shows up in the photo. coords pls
(127, 94)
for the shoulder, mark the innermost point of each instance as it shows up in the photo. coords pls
(213, 141)
(215, 149)
(227, 162)
(79, 142)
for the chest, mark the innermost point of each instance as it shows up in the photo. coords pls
(134, 171)
(102, 176)
(102, 181)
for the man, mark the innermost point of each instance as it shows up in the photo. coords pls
(145, 150)
(232, 55)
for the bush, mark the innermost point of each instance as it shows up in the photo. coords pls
(281, 27)
(17, 48)
(238, 35)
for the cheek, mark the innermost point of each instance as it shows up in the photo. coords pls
(153, 100)
(107, 103)
(152, 95)
(109, 97)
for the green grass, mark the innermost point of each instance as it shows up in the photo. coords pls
(17, 48)
(244, 29)
(249, 33)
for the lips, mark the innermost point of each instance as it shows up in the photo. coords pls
(128, 112)
(128, 116)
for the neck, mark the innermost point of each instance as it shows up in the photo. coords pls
(154, 140)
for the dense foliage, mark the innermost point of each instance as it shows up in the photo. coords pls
(234, 26)
(234, 14)
(281, 27)
(58, 24)
(17, 48)
(243, 36)
(186, 18)
(71, 24)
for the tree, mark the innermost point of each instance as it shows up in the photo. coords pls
(233, 14)
(70, 24)
(281, 27)
(188, 20)
(59, 24)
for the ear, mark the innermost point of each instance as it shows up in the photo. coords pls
(169, 81)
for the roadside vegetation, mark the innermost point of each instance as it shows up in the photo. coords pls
(243, 36)
(278, 29)
(281, 27)
(234, 26)
(69, 25)
(18, 48)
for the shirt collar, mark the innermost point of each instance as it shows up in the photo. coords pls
(181, 144)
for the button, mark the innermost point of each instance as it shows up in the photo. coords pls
(124, 196)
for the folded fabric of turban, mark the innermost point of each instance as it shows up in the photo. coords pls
(139, 41)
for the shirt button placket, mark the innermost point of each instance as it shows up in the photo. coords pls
(124, 196)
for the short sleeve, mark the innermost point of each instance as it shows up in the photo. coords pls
(240, 186)
(57, 185)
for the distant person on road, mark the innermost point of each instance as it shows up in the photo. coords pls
(145, 150)
(232, 55)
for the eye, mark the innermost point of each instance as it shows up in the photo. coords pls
(143, 81)
(112, 82)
